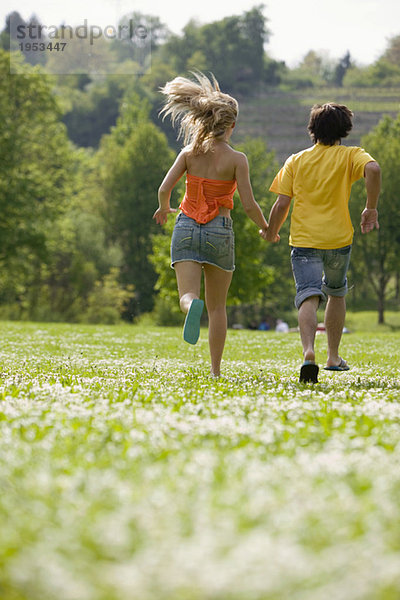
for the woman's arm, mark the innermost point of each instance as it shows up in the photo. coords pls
(251, 207)
(166, 187)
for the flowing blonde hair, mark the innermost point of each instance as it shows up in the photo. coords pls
(203, 112)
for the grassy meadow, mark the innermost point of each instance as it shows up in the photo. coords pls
(128, 473)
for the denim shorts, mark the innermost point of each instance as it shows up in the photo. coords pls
(212, 243)
(320, 272)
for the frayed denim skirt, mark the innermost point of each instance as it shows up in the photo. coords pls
(212, 243)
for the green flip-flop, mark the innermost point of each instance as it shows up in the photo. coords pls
(191, 328)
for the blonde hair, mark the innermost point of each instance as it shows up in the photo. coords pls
(203, 112)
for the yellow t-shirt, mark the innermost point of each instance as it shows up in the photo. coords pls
(320, 179)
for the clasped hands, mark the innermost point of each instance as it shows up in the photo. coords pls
(267, 235)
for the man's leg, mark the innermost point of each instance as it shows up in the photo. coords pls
(308, 326)
(335, 314)
(307, 266)
(335, 286)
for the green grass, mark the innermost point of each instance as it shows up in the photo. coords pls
(127, 473)
(367, 321)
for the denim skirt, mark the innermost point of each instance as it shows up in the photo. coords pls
(212, 243)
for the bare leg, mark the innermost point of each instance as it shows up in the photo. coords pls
(308, 326)
(335, 314)
(217, 284)
(188, 277)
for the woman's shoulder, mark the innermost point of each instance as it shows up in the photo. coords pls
(186, 151)
(240, 158)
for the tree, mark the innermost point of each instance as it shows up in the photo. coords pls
(139, 24)
(80, 264)
(341, 68)
(35, 159)
(254, 274)
(166, 305)
(133, 160)
(53, 252)
(93, 111)
(14, 22)
(392, 53)
(382, 73)
(380, 250)
(9, 33)
(177, 50)
(313, 63)
(315, 70)
(232, 48)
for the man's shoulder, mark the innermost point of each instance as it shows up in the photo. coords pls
(350, 149)
(298, 155)
(354, 154)
(320, 151)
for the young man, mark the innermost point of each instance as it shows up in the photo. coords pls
(319, 179)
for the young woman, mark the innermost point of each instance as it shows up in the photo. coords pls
(203, 238)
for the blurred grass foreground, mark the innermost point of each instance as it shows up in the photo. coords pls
(126, 472)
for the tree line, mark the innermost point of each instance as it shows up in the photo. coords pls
(81, 160)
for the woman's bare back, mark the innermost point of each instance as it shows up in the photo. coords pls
(218, 163)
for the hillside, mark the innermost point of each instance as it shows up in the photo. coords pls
(281, 117)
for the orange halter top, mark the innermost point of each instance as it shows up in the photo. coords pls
(204, 197)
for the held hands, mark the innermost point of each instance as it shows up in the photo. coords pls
(369, 220)
(267, 235)
(161, 215)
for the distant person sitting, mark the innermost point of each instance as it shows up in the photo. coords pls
(281, 326)
(264, 326)
(319, 179)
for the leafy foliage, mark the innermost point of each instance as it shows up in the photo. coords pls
(91, 112)
(56, 248)
(35, 159)
(381, 73)
(134, 159)
(232, 48)
(379, 251)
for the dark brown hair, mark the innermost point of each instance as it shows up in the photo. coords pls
(329, 123)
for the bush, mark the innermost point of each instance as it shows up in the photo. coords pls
(167, 312)
(107, 300)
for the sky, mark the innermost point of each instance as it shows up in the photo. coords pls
(330, 26)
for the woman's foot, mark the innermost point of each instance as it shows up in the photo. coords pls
(191, 328)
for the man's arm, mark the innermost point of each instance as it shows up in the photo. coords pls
(369, 216)
(277, 217)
